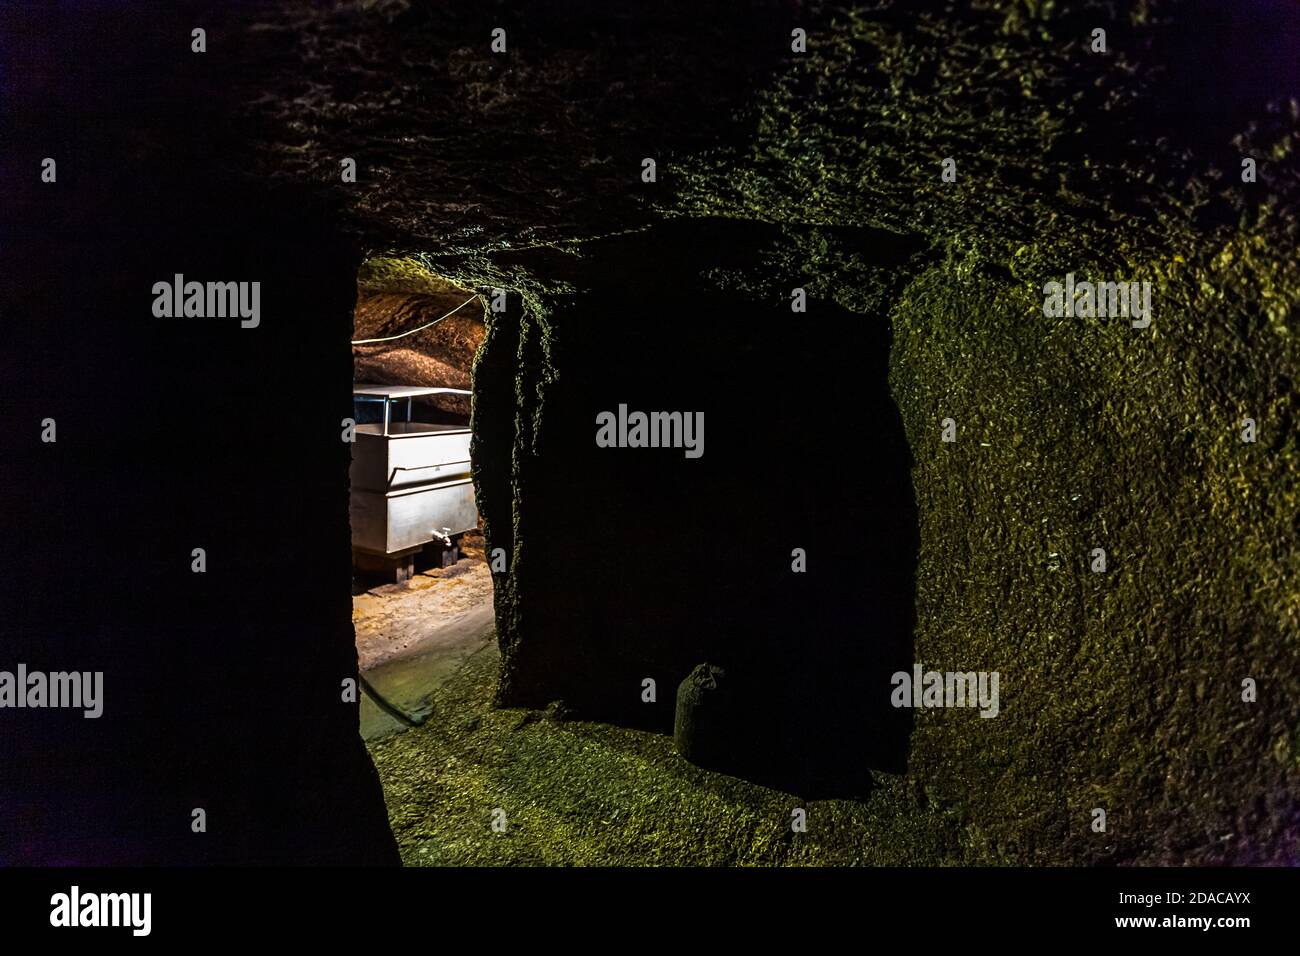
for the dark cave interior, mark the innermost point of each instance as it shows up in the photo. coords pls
(821, 425)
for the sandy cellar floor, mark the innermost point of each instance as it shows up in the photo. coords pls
(393, 620)
(413, 638)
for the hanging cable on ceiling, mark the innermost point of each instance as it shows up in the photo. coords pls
(402, 335)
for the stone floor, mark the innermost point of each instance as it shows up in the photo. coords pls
(482, 786)
(411, 638)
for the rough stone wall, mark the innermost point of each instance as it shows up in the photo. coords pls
(222, 690)
(1122, 690)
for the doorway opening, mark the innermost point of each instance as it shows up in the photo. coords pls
(421, 586)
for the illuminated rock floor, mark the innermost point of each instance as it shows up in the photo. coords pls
(413, 637)
(576, 793)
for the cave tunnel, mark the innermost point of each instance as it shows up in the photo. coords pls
(422, 592)
(613, 569)
(766, 410)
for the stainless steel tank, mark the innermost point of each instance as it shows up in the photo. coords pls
(410, 480)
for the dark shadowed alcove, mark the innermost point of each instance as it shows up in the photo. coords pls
(642, 563)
